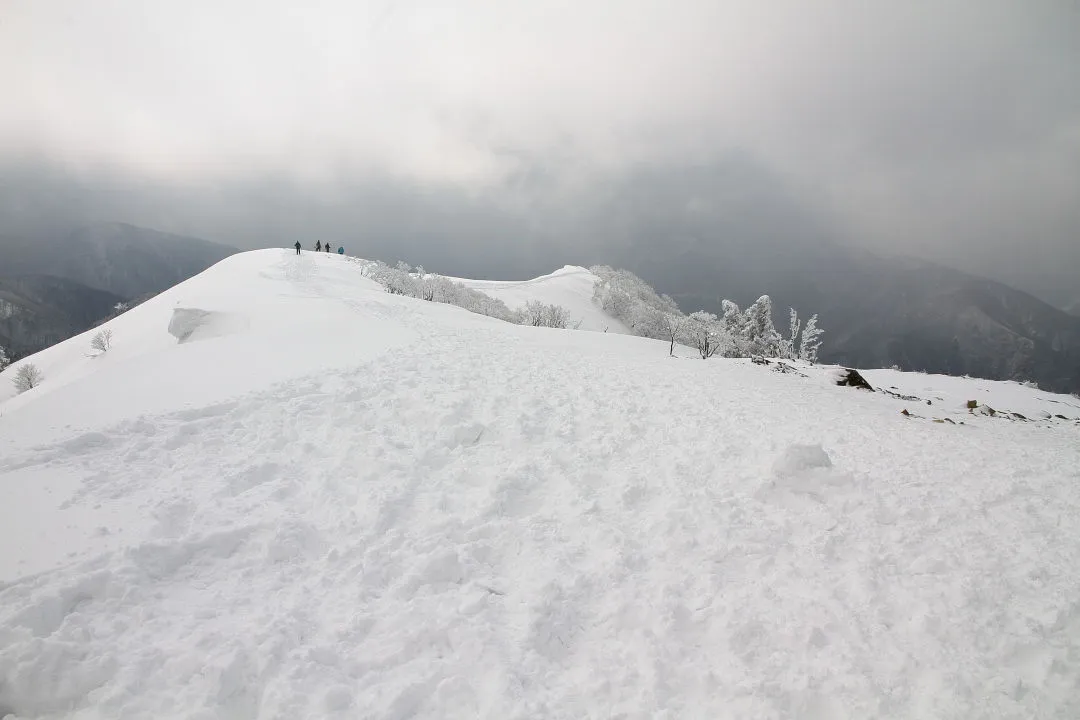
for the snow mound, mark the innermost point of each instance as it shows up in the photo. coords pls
(802, 479)
(189, 324)
(800, 458)
(570, 287)
(359, 504)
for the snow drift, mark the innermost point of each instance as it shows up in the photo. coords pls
(357, 504)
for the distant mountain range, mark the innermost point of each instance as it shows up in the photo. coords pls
(57, 287)
(122, 259)
(881, 312)
(37, 311)
(732, 230)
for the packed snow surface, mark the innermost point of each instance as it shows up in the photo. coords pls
(331, 502)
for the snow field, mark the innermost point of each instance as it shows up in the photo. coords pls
(443, 515)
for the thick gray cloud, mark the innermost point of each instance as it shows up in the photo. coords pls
(949, 130)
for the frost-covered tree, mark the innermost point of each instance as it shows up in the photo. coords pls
(443, 289)
(538, 314)
(809, 344)
(705, 333)
(628, 298)
(4, 362)
(101, 341)
(425, 284)
(396, 280)
(402, 280)
(483, 304)
(734, 324)
(625, 296)
(533, 313)
(27, 377)
(556, 316)
(789, 346)
(761, 336)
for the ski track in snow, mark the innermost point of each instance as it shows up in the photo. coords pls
(483, 524)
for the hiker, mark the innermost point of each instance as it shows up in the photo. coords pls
(328, 247)
(297, 246)
(341, 250)
(318, 246)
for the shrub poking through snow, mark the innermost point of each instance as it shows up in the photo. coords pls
(27, 377)
(101, 341)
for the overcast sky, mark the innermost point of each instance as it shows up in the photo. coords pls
(949, 130)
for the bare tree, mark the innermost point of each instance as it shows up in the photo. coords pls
(4, 362)
(26, 377)
(673, 326)
(101, 341)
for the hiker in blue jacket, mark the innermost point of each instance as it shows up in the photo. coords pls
(341, 250)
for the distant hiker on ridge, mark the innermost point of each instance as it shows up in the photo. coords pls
(328, 247)
(341, 250)
(318, 246)
(297, 246)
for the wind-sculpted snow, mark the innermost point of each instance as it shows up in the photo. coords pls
(190, 324)
(479, 519)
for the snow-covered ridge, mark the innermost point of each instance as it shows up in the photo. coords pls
(570, 287)
(314, 499)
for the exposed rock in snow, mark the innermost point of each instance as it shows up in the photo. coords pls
(852, 378)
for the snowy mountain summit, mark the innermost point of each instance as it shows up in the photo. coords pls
(282, 492)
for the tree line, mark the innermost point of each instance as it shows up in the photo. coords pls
(629, 299)
(403, 279)
(734, 333)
